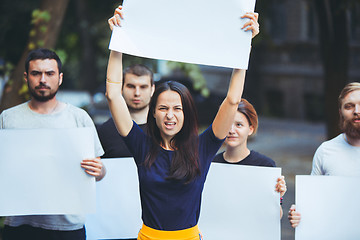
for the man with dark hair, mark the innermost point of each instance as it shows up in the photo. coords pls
(339, 156)
(43, 76)
(137, 89)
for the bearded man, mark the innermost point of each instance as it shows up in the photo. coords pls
(339, 156)
(43, 76)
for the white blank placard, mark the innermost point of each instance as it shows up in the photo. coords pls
(40, 171)
(329, 207)
(195, 31)
(240, 202)
(118, 209)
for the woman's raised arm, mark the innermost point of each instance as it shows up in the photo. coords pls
(114, 82)
(226, 114)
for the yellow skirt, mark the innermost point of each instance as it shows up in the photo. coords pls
(147, 233)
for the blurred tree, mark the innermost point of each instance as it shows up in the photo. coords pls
(85, 38)
(88, 69)
(46, 23)
(333, 26)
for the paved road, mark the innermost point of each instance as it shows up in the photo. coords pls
(291, 144)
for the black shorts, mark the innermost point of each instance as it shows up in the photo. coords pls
(28, 232)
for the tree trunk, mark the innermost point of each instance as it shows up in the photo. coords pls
(334, 46)
(44, 34)
(88, 70)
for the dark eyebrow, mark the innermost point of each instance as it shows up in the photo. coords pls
(162, 105)
(35, 71)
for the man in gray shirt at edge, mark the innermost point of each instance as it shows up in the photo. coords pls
(339, 156)
(43, 76)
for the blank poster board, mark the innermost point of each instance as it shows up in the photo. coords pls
(193, 31)
(232, 195)
(118, 209)
(240, 202)
(40, 171)
(329, 207)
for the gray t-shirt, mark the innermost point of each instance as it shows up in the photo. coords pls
(22, 116)
(336, 157)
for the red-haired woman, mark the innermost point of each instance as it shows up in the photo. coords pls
(172, 159)
(237, 152)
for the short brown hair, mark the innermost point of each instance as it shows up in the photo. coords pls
(42, 54)
(249, 111)
(350, 87)
(139, 70)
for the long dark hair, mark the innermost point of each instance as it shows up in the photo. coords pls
(185, 162)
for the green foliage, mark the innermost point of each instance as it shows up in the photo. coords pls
(38, 16)
(31, 46)
(40, 43)
(43, 29)
(72, 40)
(24, 91)
(62, 55)
(32, 33)
(39, 20)
(194, 73)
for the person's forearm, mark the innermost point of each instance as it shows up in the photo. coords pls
(114, 76)
(117, 105)
(226, 114)
(236, 86)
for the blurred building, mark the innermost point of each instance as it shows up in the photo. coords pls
(285, 77)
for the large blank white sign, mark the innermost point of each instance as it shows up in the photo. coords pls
(239, 202)
(118, 209)
(194, 31)
(40, 171)
(329, 207)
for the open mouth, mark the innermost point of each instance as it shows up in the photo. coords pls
(170, 125)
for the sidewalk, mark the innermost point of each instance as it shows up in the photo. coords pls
(291, 144)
